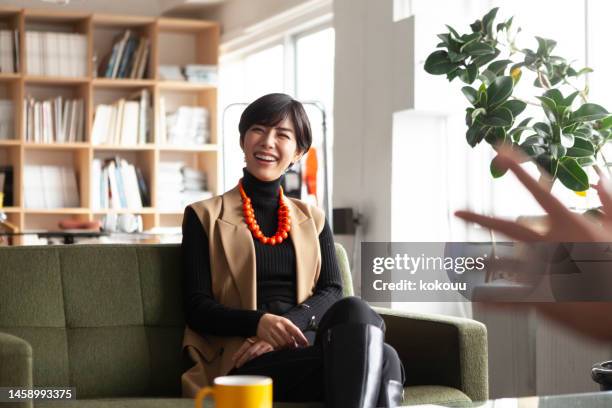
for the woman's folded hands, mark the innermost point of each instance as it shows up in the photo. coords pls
(273, 333)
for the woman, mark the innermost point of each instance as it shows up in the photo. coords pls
(263, 288)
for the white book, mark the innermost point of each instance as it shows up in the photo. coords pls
(143, 121)
(31, 56)
(31, 183)
(104, 188)
(162, 120)
(70, 191)
(57, 118)
(101, 123)
(118, 122)
(73, 121)
(129, 129)
(110, 134)
(96, 174)
(66, 120)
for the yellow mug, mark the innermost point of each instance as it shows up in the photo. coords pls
(238, 391)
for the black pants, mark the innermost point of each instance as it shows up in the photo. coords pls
(298, 375)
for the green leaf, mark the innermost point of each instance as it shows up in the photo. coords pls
(585, 70)
(518, 131)
(550, 108)
(557, 150)
(515, 106)
(485, 59)
(548, 163)
(571, 175)
(476, 49)
(499, 67)
(555, 95)
(534, 140)
(438, 63)
(589, 112)
(545, 46)
(570, 99)
(500, 90)
(606, 123)
(581, 148)
(456, 56)
(500, 117)
(487, 21)
(452, 31)
(586, 161)
(469, 75)
(533, 151)
(584, 132)
(543, 130)
(495, 170)
(471, 94)
(475, 134)
(478, 112)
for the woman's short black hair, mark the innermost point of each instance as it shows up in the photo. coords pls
(270, 110)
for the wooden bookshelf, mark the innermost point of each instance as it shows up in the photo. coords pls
(199, 45)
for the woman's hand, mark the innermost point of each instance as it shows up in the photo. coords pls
(280, 332)
(589, 318)
(251, 348)
(565, 226)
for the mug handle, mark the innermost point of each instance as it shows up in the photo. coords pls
(203, 393)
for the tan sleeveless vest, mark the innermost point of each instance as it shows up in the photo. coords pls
(232, 265)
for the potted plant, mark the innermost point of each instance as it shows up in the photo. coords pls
(571, 133)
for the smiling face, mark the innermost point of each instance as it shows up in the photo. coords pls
(269, 150)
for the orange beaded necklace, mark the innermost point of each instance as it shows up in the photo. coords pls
(284, 220)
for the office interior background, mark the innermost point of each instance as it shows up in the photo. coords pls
(393, 135)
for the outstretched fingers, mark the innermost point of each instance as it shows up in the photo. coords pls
(509, 228)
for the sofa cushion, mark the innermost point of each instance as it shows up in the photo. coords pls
(435, 394)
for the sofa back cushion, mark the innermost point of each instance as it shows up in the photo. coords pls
(106, 319)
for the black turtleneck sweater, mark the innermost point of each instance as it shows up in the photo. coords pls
(276, 273)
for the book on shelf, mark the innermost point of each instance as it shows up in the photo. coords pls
(9, 51)
(56, 54)
(47, 186)
(127, 58)
(56, 120)
(179, 186)
(201, 73)
(6, 173)
(7, 127)
(117, 184)
(125, 122)
(188, 125)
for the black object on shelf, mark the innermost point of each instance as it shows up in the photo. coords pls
(602, 374)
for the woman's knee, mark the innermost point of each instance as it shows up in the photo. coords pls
(351, 310)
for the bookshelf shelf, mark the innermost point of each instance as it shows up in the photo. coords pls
(145, 210)
(55, 146)
(199, 44)
(10, 142)
(122, 83)
(9, 76)
(10, 210)
(201, 148)
(57, 211)
(124, 147)
(184, 86)
(46, 80)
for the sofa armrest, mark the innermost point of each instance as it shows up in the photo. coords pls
(440, 350)
(15, 364)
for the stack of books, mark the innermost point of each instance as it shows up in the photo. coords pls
(126, 122)
(118, 184)
(9, 51)
(128, 58)
(201, 73)
(56, 54)
(50, 187)
(7, 127)
(54, 120)
(179, 186)
(189, 125)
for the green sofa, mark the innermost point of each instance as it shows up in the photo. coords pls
(108, 320)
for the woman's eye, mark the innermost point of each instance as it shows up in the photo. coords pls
(284, 136)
